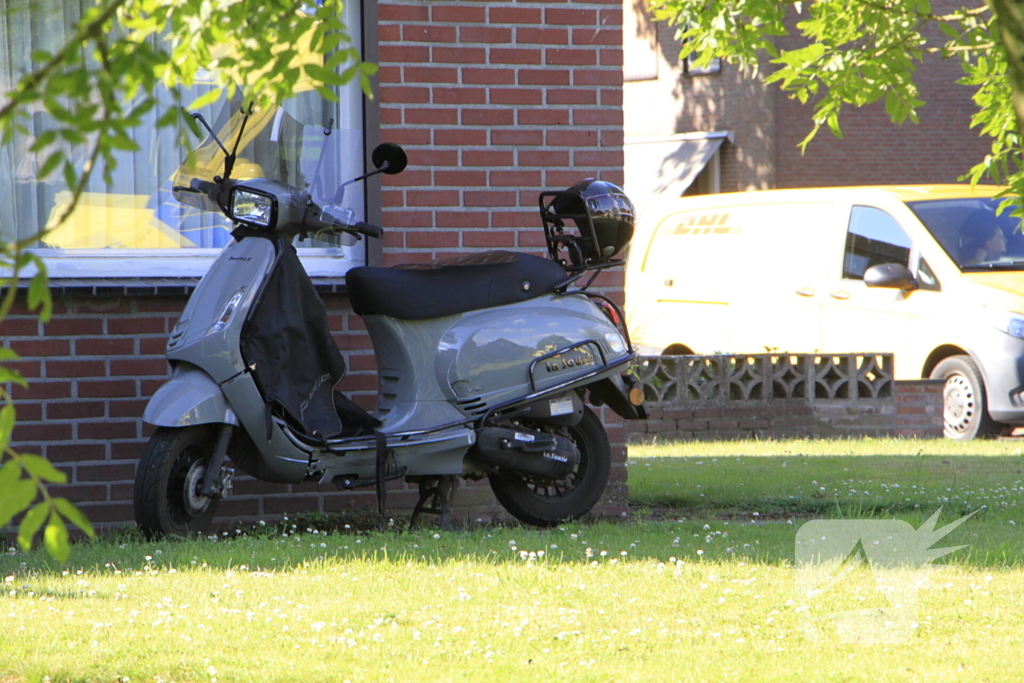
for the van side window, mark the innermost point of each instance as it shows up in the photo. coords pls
(874, 237)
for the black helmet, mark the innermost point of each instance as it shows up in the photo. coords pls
(602, 213)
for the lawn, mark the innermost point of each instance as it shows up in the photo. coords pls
(700, 586)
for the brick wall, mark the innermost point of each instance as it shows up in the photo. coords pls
(938, 149)
(494, 103)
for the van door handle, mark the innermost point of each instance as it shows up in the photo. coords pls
(841, 294)
(805, 291)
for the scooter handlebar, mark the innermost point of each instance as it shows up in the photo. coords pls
(337, 218)
(369, 229)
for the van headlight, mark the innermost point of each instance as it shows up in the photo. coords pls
(1010, 323)
(253, 208)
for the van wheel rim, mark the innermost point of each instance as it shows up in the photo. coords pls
(960, 404)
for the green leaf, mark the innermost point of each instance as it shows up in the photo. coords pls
(169, 118)
(42, 140)
(50, 165)
(8, 375)
(74, 515)
(9, 474)
(18, 493)
(324, 75)
(70, 175)
(122, 142)
(39, 293)
(30, 524)
(55, 538)
(7, 418)
(43, 469)
(209, 98)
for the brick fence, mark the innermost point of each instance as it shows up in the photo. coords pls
(783, 396)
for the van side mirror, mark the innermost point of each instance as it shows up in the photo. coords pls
(889, 276)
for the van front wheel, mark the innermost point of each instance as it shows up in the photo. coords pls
(964, 409)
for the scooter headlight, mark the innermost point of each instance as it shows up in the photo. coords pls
(253, 208)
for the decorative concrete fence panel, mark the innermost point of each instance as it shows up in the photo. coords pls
(783, 395)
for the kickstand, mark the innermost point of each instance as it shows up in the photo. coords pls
(386, 470)
(438, 491)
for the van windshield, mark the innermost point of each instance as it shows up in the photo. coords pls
(973, 232)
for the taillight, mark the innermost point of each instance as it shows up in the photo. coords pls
(609, 311)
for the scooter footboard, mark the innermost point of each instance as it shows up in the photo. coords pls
(437, 453)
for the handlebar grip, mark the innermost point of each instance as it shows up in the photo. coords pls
(369, 229)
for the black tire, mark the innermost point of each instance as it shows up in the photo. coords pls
(170, 473)
(549, 503)
(964, 407)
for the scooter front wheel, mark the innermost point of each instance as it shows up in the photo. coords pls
(549, 503)
(170, 475)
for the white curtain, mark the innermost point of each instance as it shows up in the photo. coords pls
(137, 209)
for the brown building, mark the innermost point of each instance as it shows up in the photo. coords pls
(727, 132)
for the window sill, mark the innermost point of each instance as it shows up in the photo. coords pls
(158, 286)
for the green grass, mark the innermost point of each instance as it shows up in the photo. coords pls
(696, 588)
(844, 479)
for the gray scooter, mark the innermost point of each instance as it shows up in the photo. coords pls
(483, 362)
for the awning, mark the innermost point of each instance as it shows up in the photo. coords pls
(662, 167)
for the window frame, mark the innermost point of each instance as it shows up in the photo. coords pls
(913, 256)
(177, 267)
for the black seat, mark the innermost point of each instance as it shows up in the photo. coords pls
(450, 286)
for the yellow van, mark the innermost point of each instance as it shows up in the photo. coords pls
(933, 274)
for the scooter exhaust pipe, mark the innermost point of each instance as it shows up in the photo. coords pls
(528, 453)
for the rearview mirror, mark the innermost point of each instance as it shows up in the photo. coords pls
(389, 158)
(889, 276)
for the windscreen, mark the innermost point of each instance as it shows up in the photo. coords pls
(974, 232)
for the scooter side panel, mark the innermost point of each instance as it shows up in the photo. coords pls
(499, 354)
(190, 397)
(409, 397)
(207, 334)
(284, 463)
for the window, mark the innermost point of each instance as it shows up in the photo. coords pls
(874, 237)
(134, 226)
(974, 232)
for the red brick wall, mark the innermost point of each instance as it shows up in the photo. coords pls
(494, 102)
(873, 151)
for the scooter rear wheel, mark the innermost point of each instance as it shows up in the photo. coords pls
(549, 503)
(168, 480)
